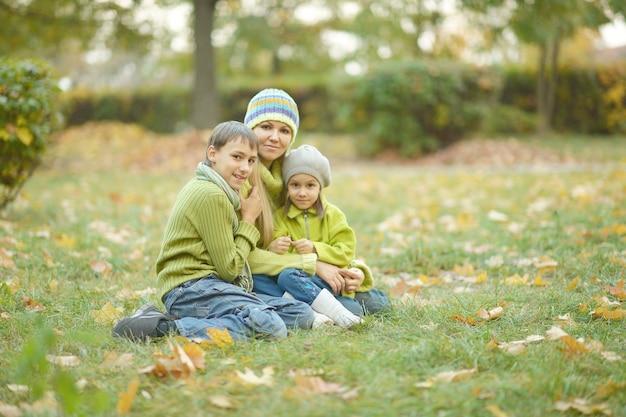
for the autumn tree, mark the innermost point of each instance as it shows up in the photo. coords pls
(546, 24)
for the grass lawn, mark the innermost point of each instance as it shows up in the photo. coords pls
(507, 285)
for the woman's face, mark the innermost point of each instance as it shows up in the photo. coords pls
(274, 139)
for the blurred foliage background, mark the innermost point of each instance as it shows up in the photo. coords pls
(430, 73)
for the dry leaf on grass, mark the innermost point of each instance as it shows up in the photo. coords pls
(491, 314)
(182, 363)
(102, 267)
(64, 360)
(618, 290)
(107, 314)
(309, 386)
(127, 397)
(248, 377)
(112, 360)
(582, 406)
(447, 377)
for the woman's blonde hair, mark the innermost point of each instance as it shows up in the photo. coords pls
(228, 132)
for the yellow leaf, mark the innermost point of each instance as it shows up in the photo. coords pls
(4, 134)
(221, 401)
(307, 386)
(248, 377)
(609, 314)
(127, 397)
(221, 338)
(107, 314)
(495, 410)
(546, 264)
(482, 277)
(618, 290)
(112, 360)
(66, 241)
(572, 284)
(454, 376)
(195, 354)
(32, 305)
(491, 314)
(467, 320)
(53, 285)
(583, 406)
(25, 135)
(539, 281)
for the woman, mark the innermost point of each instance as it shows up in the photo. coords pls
(273, 116)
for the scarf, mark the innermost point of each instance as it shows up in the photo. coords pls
(206, 173)
(272, 178)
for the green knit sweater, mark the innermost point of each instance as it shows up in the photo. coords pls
(199, 238)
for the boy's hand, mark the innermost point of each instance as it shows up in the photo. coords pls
(251, 206)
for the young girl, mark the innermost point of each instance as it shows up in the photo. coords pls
(202, 269)
(308, 223)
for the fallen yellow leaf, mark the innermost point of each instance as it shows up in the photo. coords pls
(127, 397)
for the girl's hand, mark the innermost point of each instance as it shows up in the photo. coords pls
(303, 246)
(280, 245)
(353, 279)
(251, 206)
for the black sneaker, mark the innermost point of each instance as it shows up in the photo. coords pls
(141, 325)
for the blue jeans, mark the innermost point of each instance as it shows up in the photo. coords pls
(373, 301)
(301, 286)
(211, 302)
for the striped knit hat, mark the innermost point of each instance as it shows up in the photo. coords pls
(273, 104)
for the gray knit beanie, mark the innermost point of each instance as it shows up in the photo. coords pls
(307, 160)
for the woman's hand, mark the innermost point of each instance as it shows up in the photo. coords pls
(331, 275)
(303, 246)
(251, 206)
(280, 245)
(353, 278)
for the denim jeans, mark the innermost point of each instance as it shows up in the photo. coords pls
(373, 301)
(211, 302)
(301, 286)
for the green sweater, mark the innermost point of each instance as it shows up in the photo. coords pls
(199, 238)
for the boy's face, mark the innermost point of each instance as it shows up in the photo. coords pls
(303, 190)
(233, 161)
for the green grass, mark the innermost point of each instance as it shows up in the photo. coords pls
(413, 224)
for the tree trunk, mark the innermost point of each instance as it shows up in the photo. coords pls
(205, 107)
(547, 82)
(552, 81)
(540, 92)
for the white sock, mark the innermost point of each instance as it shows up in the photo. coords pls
(327, 304)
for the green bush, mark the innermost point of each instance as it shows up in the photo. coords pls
(503, 119)
(414, 107)
(27, 107)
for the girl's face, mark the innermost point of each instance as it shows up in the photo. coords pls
(303, 190)
(274, 139)
(233, 161)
